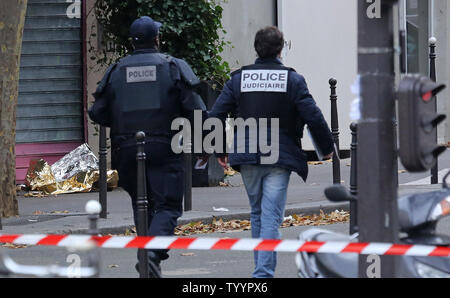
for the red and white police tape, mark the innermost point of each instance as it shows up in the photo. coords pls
(164, 242)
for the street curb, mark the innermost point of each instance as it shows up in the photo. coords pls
(103, 231)
(307, 210)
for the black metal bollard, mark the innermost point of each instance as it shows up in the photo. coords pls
(432, 42)
(94, 209)
(142, 203)
(335, 132)
(188, 176)
(103, 152)
(354, 178)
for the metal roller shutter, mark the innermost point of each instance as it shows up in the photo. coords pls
(49, 119)
(50, 105)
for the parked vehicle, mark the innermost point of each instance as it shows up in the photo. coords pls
(419, 215)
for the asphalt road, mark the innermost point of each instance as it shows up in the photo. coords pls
(211, 264)
(118, 263)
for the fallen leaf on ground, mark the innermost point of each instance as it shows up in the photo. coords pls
(128, 232)
(60, 212)
(14, 246)
(35, 194)
(229, 172)
(113, 266)
(188, 254)
(317, 219)
(220, 226)
(21, 187)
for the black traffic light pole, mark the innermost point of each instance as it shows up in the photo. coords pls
(377, 187)
(434, 170)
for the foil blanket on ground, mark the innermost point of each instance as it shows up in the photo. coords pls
(80, 160)
(75, 172)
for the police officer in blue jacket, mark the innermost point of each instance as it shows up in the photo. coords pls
(146, 91)
(268, 89)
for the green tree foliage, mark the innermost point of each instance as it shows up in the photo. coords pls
(190, 31)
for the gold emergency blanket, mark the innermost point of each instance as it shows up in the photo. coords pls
(76, 172)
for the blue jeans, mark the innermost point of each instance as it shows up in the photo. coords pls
(267, 191)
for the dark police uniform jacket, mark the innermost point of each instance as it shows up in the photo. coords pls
(295, 107)
(127, 106)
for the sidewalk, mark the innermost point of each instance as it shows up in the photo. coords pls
(65, 213)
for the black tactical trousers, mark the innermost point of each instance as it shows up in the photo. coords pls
(165, 184)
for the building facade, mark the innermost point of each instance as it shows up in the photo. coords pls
(50, 119)
(321, 43)
(57, 76)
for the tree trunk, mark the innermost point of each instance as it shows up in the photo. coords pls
(12, 19)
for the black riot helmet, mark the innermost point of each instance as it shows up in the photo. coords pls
(143, 31)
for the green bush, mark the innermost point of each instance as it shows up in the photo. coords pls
(190, 31)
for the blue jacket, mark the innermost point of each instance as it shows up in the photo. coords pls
(291, 156)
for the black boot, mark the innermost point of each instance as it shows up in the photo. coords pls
(154, 265)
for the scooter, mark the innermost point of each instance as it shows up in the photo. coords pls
(418, 214)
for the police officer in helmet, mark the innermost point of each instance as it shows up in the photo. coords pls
(146, 91)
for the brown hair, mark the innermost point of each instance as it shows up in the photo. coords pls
(269, 42)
